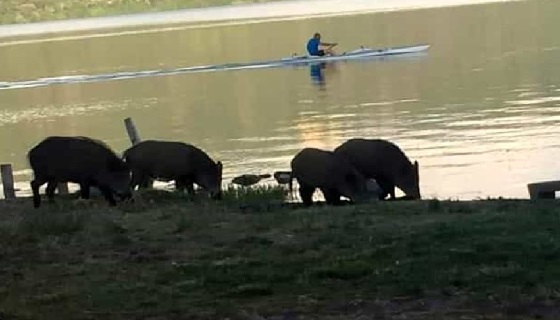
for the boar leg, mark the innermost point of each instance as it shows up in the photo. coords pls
(188, 183)
(190, 188)
(306, 194)
(387, 187)
(84, 190)
(146, 183)
(139, 179)
(108, 194)
(35, 185)
(181, 184)
(51, 187)
(332, 196)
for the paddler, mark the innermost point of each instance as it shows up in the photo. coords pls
(314, 44)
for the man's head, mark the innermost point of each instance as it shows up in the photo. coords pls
(317, 36)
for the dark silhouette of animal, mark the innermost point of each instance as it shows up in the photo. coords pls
(385, 162)
(332, 174)
(81, 160)
(171, 160)
(249, 179)
(282, 177)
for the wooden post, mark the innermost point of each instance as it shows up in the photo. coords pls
(8, 181)
(131, 130)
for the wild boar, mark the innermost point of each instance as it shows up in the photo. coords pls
(81, 160)
(385, 162)
(172, 160)
(332, 174)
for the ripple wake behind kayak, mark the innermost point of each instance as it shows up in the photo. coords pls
(41, 82)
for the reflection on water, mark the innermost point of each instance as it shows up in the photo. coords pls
(316, 72)
(480, 111)
(320, 72)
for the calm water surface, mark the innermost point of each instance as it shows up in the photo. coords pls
(480, 111)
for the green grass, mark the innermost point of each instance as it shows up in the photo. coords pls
(22, 11)
(167, 256)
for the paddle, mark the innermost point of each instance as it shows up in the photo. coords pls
(329, 48)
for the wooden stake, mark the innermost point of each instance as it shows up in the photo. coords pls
(8, 181)
(131, 130)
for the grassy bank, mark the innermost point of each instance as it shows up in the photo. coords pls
(22, 11)
(249, 257)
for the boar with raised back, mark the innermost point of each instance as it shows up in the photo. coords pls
(170, 160)
(385, 162)
(80, 160)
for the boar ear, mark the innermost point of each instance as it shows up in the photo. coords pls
(416, 167)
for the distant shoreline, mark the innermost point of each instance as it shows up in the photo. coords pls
(256, 12)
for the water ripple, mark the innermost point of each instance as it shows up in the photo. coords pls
(45, 112)
(534, 101)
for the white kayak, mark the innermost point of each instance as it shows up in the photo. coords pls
(357, 54)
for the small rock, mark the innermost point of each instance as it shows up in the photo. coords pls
(249, 179)
(282, 177)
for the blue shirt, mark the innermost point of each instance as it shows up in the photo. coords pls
(313, 46)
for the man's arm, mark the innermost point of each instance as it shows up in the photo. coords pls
(327, 44)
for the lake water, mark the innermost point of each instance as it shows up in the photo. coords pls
(480, 112)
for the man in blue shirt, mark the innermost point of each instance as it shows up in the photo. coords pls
(314, 43)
